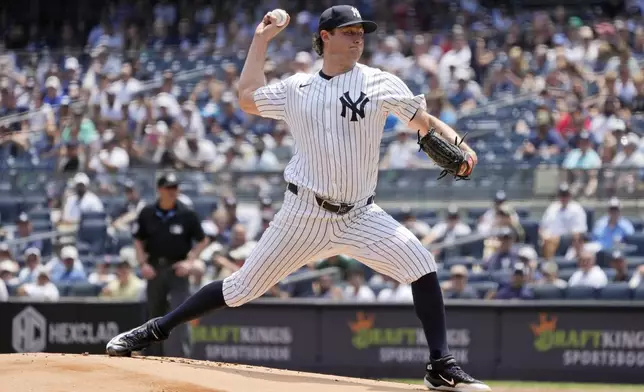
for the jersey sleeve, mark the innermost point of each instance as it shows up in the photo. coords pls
(271, 99)
(399, 100)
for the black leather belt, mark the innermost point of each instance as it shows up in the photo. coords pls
(336, 208)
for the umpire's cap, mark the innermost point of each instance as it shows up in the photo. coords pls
(342, 16)
(168, 180)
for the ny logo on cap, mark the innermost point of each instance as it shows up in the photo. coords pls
(356, 13)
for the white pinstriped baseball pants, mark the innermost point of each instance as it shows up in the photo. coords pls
(302, 232)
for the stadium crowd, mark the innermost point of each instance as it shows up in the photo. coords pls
(95, 103)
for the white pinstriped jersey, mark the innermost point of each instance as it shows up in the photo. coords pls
(337, 124)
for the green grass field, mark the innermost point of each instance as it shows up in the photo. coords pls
(548, 386)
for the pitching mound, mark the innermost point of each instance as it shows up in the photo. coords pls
(72, 373)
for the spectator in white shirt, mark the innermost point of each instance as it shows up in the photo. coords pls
(550, 277)
(111, 108)
(42, 289)
(81, 201)
(448, 230)
(264, 159)
(32, 264)
(195, 153)
(8, 272)
(111, 158)
(564, 217)
(357, 290)
(419, 228)
(395, 292)
(401, 153)
(127, 86)
(458, 57)
(102, 274)
(190, 119)
(588, 274)
(630, 160)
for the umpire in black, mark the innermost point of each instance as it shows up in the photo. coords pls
(168, 237)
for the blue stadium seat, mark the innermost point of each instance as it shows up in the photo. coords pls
(590, 215)
(634, 261)
(41, 226)
(616, 291)
(475, 213)
(63, 289)
(548, 291)
(466, 261)
(204, 206)
(9, 208)
(84, 290)
(478, 277)
(638, 293)
(636, 239)
(443, 274)
(40, 214)
(581, 293)
(94, 216)
(531, 228)
(638, 223)
(565, 274)
(482, 288)
(562, 263)
(523, 213)
(501, 276)
(473, 249)
(93, 233)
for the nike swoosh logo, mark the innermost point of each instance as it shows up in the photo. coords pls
(450, 382)
(304, 85)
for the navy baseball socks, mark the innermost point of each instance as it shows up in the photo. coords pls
(209, 297)
(443, 373)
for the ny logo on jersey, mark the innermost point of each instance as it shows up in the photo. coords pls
(357, 107)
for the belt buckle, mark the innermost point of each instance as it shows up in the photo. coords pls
(344, 208)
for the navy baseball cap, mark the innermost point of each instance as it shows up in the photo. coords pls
(342, 16)
(168, 180)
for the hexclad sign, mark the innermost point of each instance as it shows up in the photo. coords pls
(29, 331)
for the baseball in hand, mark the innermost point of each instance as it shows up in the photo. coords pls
(280, 17)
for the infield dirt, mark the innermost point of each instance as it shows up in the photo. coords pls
(40, 372)
(74, 373)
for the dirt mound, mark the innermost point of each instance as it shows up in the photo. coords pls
(72, 373)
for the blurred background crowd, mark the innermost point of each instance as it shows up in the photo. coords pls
(93, 104)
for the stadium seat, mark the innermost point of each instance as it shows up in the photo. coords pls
(84, 290)
(478, 277)
(638, 293)
(40, 214)
(638, 223)
(563, 263)
(93, 216)
(548, 291)
(565, 274)
(93, 233)
(531, 228)
(636, 239)
(523, 213)
(473, 249)
(443, 274)
(581, 293)
(500, 276)
(475, 213)
(616, 291)
(482, 288)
